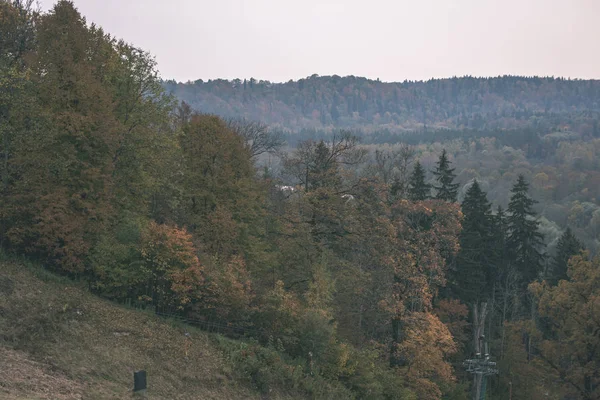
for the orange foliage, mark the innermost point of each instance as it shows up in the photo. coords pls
(454, 315)
(230, 290)
(426, 233)
(427, 342)
(573, 306)
(171, 265)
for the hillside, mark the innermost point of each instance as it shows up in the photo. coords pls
(318, 102)
(59, 342)
(344, 270)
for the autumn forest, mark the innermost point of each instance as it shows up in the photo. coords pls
(357, 234)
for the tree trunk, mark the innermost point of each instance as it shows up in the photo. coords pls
(479, 316)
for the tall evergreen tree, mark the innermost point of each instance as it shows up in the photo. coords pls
(475, 263)
(444, 175)
(568, 246)
(499, 234)
(524, 241)
(418, 189)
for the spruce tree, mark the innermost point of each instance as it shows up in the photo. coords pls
(418, 189)
(475, 264)
(499, 233)
(524, 241)
(568, 246)
(444, 175)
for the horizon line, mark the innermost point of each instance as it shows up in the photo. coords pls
(314, 76)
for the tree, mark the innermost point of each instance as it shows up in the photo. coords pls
(444, 175)
(17, 31)
(524, 241)
(170, 272)
(384, 164)
(258, 138)
(393, 166)
(571, 348)
(475, 264)
(424, 233)
(568, 246)
(499, 233)
(61, 203)
(221, 200)
(146, 143)
(18, 100)
(317, 164)
(426, 345)
(229, 291)
(418, 189)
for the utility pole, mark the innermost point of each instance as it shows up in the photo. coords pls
(480, 366)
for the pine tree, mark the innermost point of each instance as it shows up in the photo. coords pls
(524, 242)
(499, 234)
(568, 246)
(418, 189)
(475, 263)
(444, 175)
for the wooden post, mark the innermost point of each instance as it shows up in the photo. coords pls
(139, 382)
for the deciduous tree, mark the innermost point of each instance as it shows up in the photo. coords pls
(572, 347)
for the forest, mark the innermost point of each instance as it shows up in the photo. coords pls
(357, 232)
(327, 102)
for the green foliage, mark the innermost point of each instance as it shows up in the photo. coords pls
(115, 260)
(524, 241)
(446, 189)
(353, 102)
(568, 349)
(418, 188)
(475, 262)
(349, 374)
(220, 199)
(337, 278)
(265, 368)
(568, 246)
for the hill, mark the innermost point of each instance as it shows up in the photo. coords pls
(319, 102)
(57, 341)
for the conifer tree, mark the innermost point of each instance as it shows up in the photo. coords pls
(499, 233)
(475, 264)
(418, 189)
(444, 175)
(568, 246)
(524, 241)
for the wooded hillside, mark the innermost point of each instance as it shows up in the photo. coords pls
(349, 271)
(507, 102)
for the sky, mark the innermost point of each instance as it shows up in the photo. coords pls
(393, 40)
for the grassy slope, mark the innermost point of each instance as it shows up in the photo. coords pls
(57, 341)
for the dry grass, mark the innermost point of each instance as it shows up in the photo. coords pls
(57, 341)
(22, 378)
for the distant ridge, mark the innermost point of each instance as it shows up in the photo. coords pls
(326, 102)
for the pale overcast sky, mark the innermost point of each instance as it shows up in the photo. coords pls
(393, 40)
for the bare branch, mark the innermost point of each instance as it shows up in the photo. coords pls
(257, 137)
